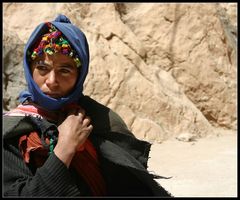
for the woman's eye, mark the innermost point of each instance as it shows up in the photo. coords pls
(65, 71)
(42, 68)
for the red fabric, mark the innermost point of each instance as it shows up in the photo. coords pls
(85, 161)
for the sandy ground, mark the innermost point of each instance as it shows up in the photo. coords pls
(206, 167)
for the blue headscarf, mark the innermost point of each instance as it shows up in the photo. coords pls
(78, 41)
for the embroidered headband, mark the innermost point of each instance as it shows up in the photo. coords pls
(53, 42)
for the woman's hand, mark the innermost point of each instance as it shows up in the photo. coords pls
(73, 132)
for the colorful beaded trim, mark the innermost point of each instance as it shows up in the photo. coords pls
(53, 42)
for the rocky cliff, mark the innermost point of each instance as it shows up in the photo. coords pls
(167, 69)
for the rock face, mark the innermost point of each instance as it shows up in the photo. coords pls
(166, 69)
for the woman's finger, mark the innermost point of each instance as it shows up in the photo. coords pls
(81, 111)
(86, 120)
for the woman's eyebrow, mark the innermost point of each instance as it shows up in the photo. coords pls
(67, 65)
(42, 62)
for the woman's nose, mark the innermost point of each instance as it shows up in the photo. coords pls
(51, 80)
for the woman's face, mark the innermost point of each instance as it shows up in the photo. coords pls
(56, 75)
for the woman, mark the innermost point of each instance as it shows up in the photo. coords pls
(58, 142)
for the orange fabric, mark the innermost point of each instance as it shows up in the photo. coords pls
(85, 161)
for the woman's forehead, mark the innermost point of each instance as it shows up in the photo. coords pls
(56, 58)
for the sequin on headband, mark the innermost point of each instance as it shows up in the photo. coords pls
(53, 42)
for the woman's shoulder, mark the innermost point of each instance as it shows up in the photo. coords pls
(103, 116)
(15, 126)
